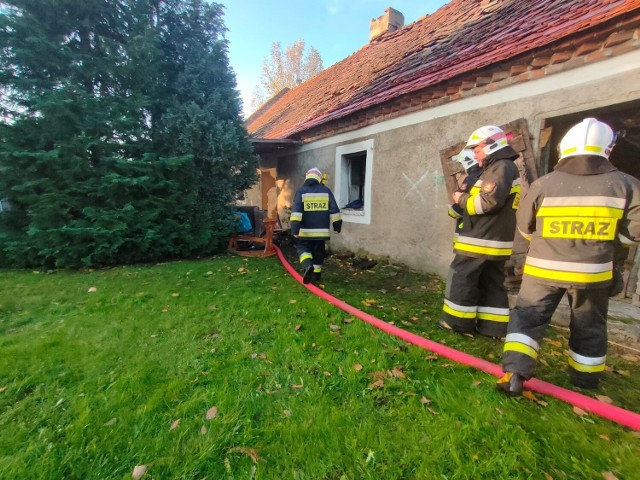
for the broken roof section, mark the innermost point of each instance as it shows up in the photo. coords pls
(461, 37)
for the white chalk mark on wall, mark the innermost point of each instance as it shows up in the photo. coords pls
(414, 185)
(438, 194)
(440, 188)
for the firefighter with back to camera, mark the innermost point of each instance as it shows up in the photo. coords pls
(313, 212)
(573, 218)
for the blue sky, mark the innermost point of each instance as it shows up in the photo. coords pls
(336, 28)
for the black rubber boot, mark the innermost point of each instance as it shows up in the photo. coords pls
(511, 384)
(308, 275)
(590, 381)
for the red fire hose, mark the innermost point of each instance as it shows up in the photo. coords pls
(619, 415)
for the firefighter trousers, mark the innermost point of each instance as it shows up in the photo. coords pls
(475, 297)
(588, 330)
(311, 252)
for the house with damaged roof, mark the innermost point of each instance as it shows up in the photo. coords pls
(386, 122)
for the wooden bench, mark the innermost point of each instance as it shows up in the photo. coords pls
(267, 240)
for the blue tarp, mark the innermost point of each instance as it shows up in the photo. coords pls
(244, 223)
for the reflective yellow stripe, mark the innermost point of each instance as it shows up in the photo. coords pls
(493, 317)
(465, 247)
(521, 348)
(305, 256)
(296, 216)
(313, 234)
(592, 148)
(457, 313)
(475, 189)
(316, 204)
(580, 211)
(471, 208)
(583, 228)
(578, 277)
(586, 368)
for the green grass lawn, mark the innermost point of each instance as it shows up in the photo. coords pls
(227, 368)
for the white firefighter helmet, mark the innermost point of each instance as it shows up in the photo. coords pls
(493, 137)
(467, 157)
(314, 173)
(589, 137)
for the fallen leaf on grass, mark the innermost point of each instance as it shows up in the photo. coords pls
(92, 290)
(297, 327)
(368, 302)
(432, 410)
(292, 301)
(579, 411)
(347, 320)
(476, 383)
(431, 358)
(547, 476)
(327, 374)
(499, 411)
(631, 358)
(111, 422)
(623, 373)
(138, 471)
(357, 367)
(397, 372)
(175, 424)
(530, 395)
(2, 389)
(287, 413)
(605, 438)
(212, 413)
(333, 326)
(604, 399)
(175, 294)
(251, 452)
(376, 384)
(297, 387)
(609, 476)
(203, 430)
(425, 400)
(212, 308)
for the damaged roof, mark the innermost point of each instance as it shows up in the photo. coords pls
(461, 37)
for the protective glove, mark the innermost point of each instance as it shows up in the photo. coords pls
(337, 226)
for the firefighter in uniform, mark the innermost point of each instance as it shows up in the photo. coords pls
(313, 212)
(573, 218)
(473, 171)
(475, 296)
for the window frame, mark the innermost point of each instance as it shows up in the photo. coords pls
(341, 189)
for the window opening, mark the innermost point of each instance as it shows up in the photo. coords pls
(354, 167)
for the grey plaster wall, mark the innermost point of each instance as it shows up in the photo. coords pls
(409, 223)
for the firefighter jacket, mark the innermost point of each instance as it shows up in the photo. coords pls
(455, 210)
(488, 222)
(573, 217)
(313, 211)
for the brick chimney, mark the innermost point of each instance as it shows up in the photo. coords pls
(391, 21)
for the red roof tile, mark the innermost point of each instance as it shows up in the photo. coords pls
(457, 39)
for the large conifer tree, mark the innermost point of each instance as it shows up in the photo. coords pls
(121, 138)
